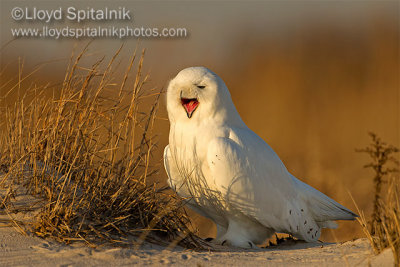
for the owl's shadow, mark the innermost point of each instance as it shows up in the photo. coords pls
(277, 243)
(289, 242)
(293, 244)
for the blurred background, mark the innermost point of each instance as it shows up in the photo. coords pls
(310, 77)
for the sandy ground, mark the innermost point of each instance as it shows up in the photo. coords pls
(19, 250)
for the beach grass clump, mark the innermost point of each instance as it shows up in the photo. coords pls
(85, 150)
(383, 229)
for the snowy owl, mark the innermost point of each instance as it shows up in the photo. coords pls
(229, 174)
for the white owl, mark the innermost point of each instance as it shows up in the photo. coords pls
(230, 175)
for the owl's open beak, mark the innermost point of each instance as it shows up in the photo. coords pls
(190, 105)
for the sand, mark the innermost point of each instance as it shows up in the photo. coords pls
(17, 249)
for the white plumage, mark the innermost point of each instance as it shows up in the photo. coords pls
(230, 175)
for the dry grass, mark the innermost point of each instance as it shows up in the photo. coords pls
(86, 150)
(383, 230)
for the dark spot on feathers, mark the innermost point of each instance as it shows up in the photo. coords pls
(290, 211)
(251, 245)
(305, 222)
(302, 210)
(312, 236)
(310, 229)
(297, 228)
(223, 242)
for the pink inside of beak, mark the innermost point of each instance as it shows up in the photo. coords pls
(190, 104)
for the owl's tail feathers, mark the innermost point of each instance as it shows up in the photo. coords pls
(324, 209)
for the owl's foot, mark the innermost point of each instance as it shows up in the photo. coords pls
(240, 244)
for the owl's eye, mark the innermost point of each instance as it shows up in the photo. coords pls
(201, 86)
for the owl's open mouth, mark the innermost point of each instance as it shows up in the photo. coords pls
(190, 105)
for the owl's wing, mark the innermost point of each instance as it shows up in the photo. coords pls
(166, 164)
(175, 179)
(255, 182)
(178, 176)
